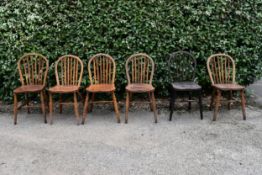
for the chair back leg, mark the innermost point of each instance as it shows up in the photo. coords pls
(154, 106)
(42, 98)
(217, 104)
(127, 106)
(85, 110)
(50, 109)
(243, 104)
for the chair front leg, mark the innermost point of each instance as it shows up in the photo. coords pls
(243, 103)
(42, 98)
(116, 107)
(15, 109)
(217, 104)
(200, 104)
(172, 103)
(50, 108)
(189, 100)
(150, 100)
(154, 106)
(76, 108)
(85, 110)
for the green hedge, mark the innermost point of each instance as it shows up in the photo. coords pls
(121, 28)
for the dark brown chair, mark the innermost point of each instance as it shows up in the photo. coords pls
(33, 69)
(102, 70)
(222, 72)
(140, 71)
(68, 72)
(183, 67)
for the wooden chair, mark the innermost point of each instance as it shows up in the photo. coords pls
(182, 65)
(68, 72)
(102, 70)
(221, 69)
(33, 70)
(140, 71)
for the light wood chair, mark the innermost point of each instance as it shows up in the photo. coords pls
(102, 70)
(140, 71)
(222, 72)
(182, 66)
(68, 72)
(33, 68)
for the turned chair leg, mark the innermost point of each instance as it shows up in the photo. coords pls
(60, 104)
(50, 108)
(127, 106)
(116, 107)
(92, 102)
(200, 105)
(172, 104)
(15, 109)
(217, 104)
(154, 106)
(212, 99)
(85, 110)
(42, 98)
(243, 104)
(76, 108)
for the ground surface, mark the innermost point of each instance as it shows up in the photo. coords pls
(186, 145)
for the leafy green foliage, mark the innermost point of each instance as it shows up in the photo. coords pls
(121, 28)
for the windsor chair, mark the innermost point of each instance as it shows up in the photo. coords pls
(182, 66)
(222, 72)
(101, 70)
(33, 69)
(68, 72)
(140, 71)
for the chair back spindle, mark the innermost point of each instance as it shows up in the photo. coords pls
(69, 71)
(221, 69)
(101, 69)
(33, 69)
(140, 69)
(182, 66)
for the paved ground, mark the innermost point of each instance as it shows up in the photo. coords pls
(186, 145)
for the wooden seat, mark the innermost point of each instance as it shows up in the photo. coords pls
(33, 69)
(140, 88)
(222, 73)
(182, 67)
(68, 73)
(229, 87)
(140, 71)
(29, 89)
(64, 89)
(96, 88)
(186, 86)
(101, 71)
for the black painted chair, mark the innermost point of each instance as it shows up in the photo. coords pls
(182, 67)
